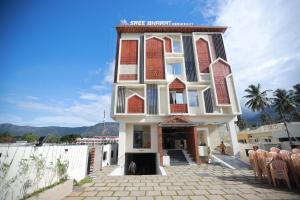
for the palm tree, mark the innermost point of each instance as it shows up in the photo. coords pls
(285, 103)
(297, 92)
(258, 100)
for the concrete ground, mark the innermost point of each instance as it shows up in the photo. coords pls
(182, 182)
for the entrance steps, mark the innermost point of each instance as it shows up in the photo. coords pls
(177, 157)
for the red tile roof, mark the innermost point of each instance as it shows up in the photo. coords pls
(163, 29)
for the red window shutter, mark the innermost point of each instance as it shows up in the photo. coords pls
(155, 59)
(221, 70)
(203, 55)
(129, 52)
(168, 44)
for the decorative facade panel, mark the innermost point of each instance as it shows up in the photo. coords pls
(208, 101)
(189, 59)
(155, 68)
(219, 46)
(129, 52)
(152, 99)
(168, 44)
(177, 85)
(203, 55)
(121, 100)
(220, 71)
(135, 104)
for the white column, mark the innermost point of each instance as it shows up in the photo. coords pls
(122, 144)
(233, 138)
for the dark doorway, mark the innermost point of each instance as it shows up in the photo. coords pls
(145, 163)
(174, 138)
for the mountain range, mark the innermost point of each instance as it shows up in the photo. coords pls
(112, 129)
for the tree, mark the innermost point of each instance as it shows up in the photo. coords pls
(30, 137)
(258, 100)
(241, 123)
(297, 92)
(6, 137)
(265, 118)
(52, 139)
(71, 138)
(285, 103)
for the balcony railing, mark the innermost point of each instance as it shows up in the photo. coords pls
(178, 108)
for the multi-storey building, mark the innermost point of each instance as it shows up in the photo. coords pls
(173, 89)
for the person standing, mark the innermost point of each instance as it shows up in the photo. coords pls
(222, 147)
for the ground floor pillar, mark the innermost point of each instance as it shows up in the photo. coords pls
(122, 143)
(160, 145)
(233, 138)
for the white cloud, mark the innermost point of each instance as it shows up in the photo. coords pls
(86, 110)
(262, 40)
(32, 98)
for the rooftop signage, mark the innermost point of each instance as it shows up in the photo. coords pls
(155, 23)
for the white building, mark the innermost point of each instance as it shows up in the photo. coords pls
(173, 90)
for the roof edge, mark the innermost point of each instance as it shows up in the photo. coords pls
(163, 28)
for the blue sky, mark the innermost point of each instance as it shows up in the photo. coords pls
(57, 57)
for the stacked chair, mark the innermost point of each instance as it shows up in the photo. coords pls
(276, 165)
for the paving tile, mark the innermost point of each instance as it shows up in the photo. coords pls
(153, 193)
(232, 197)
(73, 198)
(215, 197)
(163, 198)
(104, 193)
(180, 197)
(131, 188)
(110, 198)
(138, 193)
(169, 192)
(200, 192)
(145, 198)
(92, 198)
(88, 194)
(121, 193)
(74, 194)
(185, 192)
(127, 198)
(199, 197)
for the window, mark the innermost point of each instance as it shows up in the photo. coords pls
(174, 68)
(104, 155)
(176, 97)
(112, 154)
(141, 137)
(193, 98)
(176, 46)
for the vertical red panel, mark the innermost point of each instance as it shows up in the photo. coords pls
(221, 70)
(203, 55)
(135, 104)
(129, 52)
(168, 44)
(155, 59)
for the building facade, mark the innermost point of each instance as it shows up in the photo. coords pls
(173, 89)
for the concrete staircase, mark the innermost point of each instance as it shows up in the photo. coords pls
(177, 157)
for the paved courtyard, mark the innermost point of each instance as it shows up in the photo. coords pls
(182, 182)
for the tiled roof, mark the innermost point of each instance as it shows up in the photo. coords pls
(163, 29)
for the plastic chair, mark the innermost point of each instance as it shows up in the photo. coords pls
(296, 150)
(295, 160)
(254, 163)
(279, 170)
(263, 164)
(275, 149)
